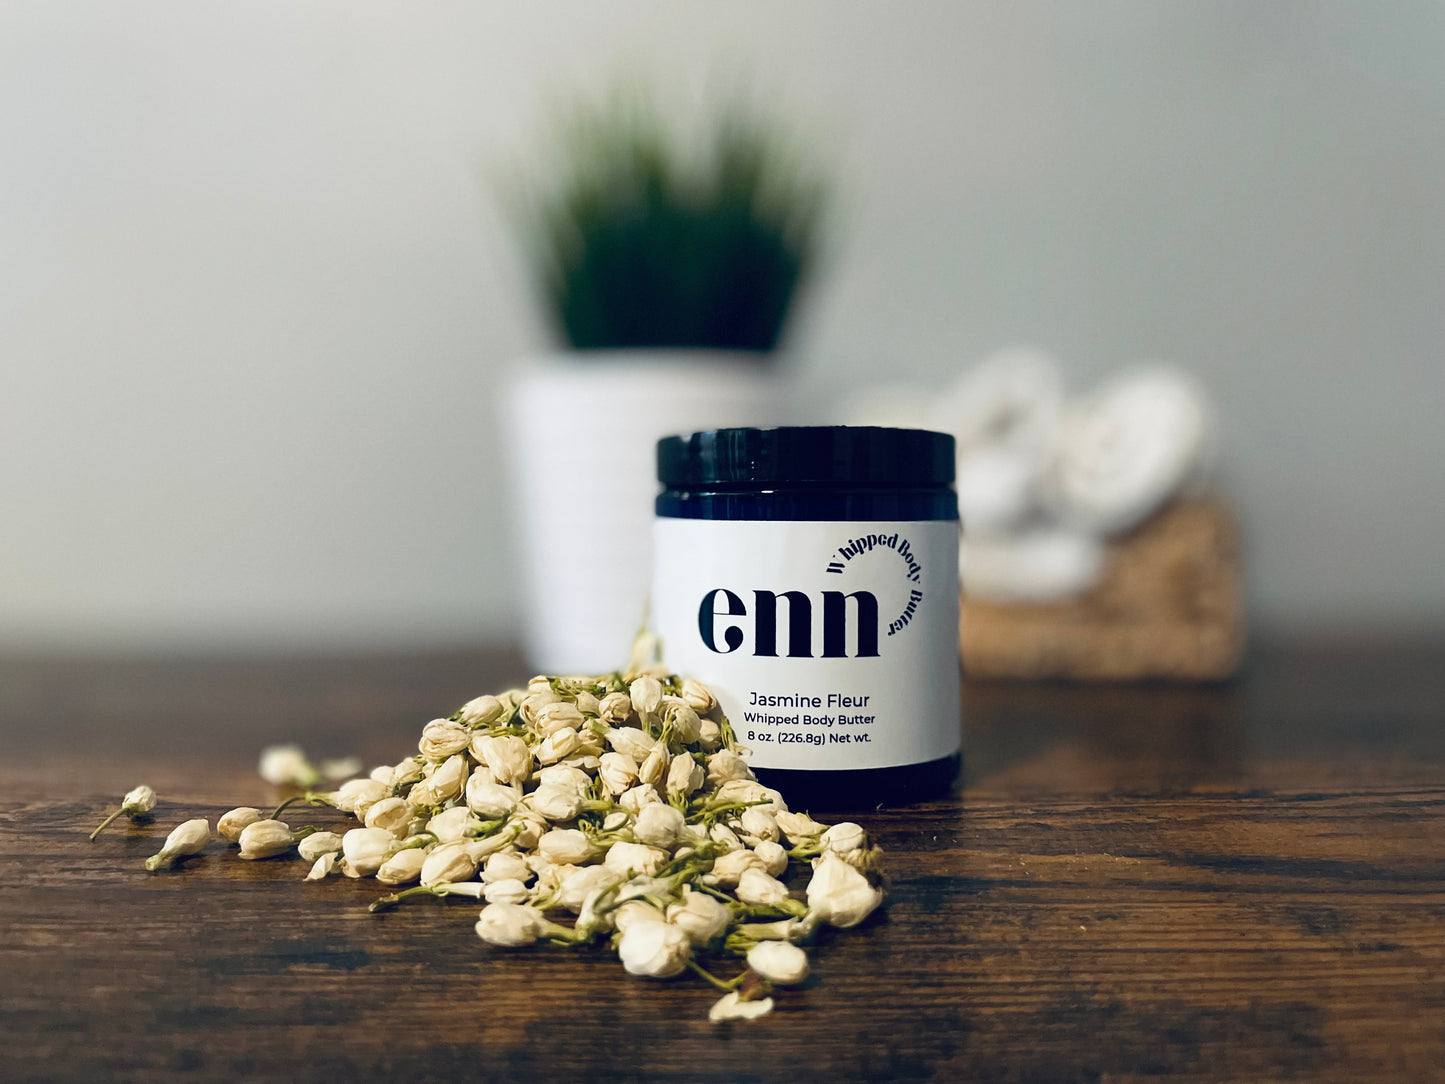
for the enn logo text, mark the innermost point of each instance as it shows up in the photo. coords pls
(720, 603)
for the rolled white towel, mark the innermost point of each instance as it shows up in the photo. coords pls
(1012, 399)
(1003, 414)
(1123, 451)
(1044, 564)
(995, 489)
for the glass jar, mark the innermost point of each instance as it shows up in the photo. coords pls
(809, 576)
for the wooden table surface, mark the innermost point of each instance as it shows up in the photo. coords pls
(1242, 882)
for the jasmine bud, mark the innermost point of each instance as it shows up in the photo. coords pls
(137, 805)
(186, 838)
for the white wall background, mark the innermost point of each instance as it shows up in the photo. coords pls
(256, 301)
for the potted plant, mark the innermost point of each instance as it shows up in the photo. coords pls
(669, 276)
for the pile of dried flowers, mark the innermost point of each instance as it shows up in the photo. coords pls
(616, 809)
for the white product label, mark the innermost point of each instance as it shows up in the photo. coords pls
(830, 645)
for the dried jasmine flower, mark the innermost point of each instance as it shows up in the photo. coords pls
(137, 805)
(318, 844)
(403, 867)
(657, 950)
(359, 795)
(363, 850)
(231, 824)
(339, 768)
(266, 839)
(186, 839)
(323, 866)
(779, 962)
(839, 894)
(844, 837)
(615, 810)
(287, 766)
(510, 924)
(702, 917)
(731, 1007)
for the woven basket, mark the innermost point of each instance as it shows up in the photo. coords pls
(1168, 606)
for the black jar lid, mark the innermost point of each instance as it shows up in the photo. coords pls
(834, 454)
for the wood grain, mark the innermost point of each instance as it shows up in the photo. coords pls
(1230, 883)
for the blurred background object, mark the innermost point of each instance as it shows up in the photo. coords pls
(259, 305)
(668, 258)
(1091, 545)
(641, 232)
(1162, 601)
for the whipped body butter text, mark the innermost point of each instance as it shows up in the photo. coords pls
(809, 576)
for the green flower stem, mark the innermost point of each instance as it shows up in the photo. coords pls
(562, 935)
(163, 859)
(386, 903)
(777, 930)
(692, 867)
(106, 823)
(709, 814)
(311, 797)
(482, 829)
(589, 921)
(700, 861)
(726, 986)
(729, 738)
(714, 892)
(597, 835)
(747, 934)
(796, 908)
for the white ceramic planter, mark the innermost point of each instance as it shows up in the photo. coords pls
(582, 431)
